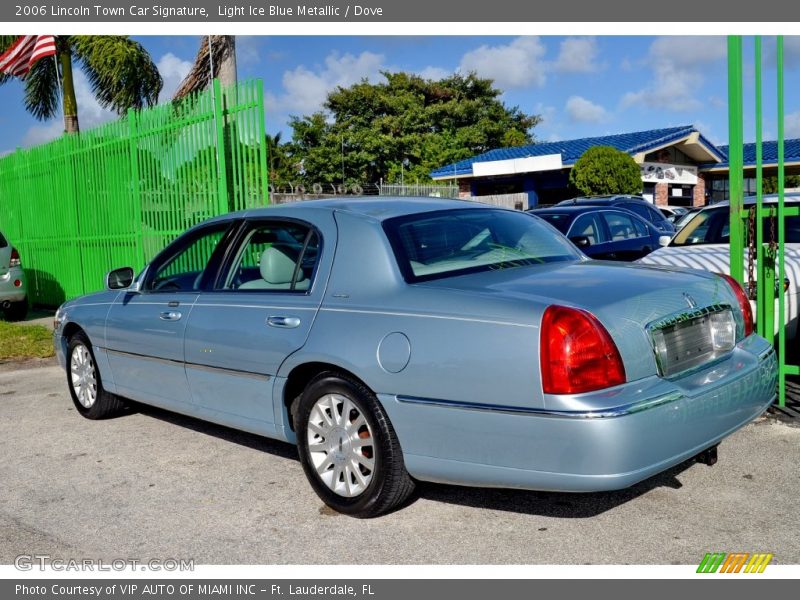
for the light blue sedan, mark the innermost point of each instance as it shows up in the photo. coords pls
(396, 340)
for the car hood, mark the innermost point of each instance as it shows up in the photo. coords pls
(101, 297)
(624, 297)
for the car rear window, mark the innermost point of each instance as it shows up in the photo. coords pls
(558, 220)
(460, 241)
(3, 242)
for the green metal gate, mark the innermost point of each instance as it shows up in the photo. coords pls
(764, 257)
(115, 195)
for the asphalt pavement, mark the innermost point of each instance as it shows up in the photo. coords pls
(151, 484)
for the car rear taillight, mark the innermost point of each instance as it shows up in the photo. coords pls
(15, 260)
(744, 303)
(576, 352)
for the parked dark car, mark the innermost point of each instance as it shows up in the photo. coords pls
(603, 233)
(635, 204)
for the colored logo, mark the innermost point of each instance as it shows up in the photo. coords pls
(737, 562)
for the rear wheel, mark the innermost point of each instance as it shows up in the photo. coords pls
(17, 311)
(85, 385)
(348, 448)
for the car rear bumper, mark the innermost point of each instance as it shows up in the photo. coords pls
(652, 424)
(10, 292)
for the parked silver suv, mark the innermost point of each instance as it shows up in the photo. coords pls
(13, 295)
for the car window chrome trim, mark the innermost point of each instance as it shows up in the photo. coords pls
(602, 413)
(190, 365)
(260, 306)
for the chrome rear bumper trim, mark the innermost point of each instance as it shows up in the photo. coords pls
(605, 413)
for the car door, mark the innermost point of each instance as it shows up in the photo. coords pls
(145, 329)
(592, 227)
(260, 311)
(629, 237)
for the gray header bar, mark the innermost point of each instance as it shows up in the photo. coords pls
(388, 589)
(378, 11)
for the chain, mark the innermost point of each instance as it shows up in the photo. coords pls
(751, 251)
(773, 239)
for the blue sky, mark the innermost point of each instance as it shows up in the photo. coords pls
(581, 86)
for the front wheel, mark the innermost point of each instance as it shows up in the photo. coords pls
(348, 448)
(85, 385)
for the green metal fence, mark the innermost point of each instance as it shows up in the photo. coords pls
(115, 195)
(747, 227)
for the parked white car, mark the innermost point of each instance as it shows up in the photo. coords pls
(13, 295)
(703, 243)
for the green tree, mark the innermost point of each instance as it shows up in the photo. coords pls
(771, 183)
(606, 170)
(120, 71)
(278, 162)
(368, 130)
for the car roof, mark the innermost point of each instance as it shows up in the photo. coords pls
(576, 209)
(602, 199)
(793, 197)
(375, 207)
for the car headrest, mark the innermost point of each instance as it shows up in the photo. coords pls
(275, 266)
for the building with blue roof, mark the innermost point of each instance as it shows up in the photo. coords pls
(679, 166)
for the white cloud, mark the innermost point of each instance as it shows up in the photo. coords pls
(90, 114)
(434, 73)
(791, 52)
(791, 125)
(41, 134)
(517, 64)
(578, 55)
(585, 111)
(678, 65)
(305, 90)
(689, 51)
(708, 131)
(248, 50)
(173, 70)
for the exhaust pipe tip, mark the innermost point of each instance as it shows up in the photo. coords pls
(708, 457)
(5, 305)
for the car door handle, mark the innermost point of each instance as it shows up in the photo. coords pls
(286, 322)
(170, 315)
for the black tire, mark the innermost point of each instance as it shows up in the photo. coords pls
(390, 484)
(17, 311)
(104, 405)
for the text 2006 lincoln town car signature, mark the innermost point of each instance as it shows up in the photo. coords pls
(400, 340)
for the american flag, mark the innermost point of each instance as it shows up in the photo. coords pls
(24, 52)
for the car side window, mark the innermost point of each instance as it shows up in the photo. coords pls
(589, 225)
(274, 257)
(641, 228)
(621, 226)
(183, 269)
(655, 216)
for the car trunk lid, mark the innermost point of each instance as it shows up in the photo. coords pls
(624, 297)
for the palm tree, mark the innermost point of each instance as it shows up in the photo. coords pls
(276, 156)
(120, 71)
(223, 59)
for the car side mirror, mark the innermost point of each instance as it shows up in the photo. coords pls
(120, 279)
(581, 241)
(664, 240)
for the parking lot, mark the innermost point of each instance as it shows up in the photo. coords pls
(151, 484)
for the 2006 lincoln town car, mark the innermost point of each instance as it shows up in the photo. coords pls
(423, 339)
